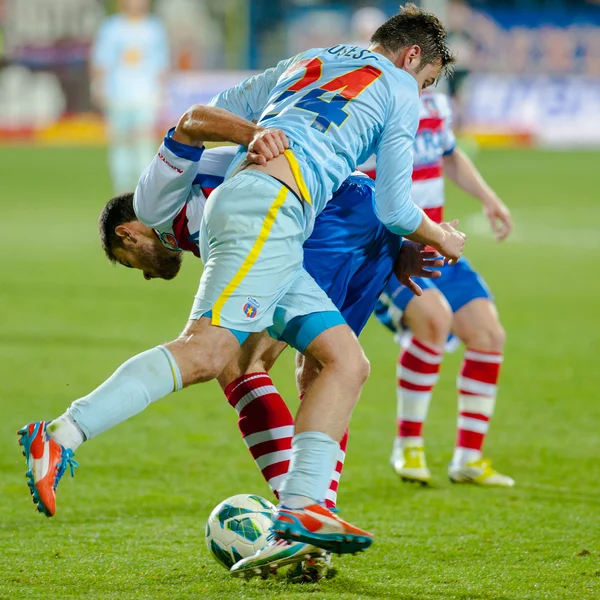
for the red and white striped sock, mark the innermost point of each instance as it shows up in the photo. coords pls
(477, 386)
(266, 424)
(418, 371)
(331, 495)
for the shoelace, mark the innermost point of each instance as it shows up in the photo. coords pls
(274, 540)
(66, 460)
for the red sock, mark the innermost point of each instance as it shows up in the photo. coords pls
(266, 424)
(477, 387)
(418, 371)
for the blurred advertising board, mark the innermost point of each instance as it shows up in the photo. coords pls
(540, 110)
(544, 110)
(555, 111)
(187, 88)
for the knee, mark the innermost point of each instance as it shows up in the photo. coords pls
(434, 326)
(489, 338)
(195, 363)
(357, 367)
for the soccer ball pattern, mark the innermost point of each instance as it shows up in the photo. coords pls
(238, 527)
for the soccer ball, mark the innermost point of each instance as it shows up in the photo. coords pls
(238, 527)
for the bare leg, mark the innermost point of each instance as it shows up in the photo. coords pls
(330, 398)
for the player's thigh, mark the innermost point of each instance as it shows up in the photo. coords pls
(478, 325)
(394, 301)
(258, 354)
(429, 317)
(251, 243)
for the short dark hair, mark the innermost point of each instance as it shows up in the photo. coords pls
(414, 26)
(118, 210)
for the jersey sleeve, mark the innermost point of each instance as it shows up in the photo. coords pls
(393, 203)
(249, 98)
(213, 167)
(166, 184)
(448, 137)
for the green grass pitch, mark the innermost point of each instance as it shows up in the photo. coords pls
(130, 525)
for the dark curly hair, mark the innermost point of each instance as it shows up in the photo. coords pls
(118, 210)
(413, 26)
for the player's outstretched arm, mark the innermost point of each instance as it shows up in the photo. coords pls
(460, 169)
(393, 202)
(445, 238)
(211, 124)
(201, 124)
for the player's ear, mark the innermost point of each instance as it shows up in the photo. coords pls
(127, 234)
(412, 57)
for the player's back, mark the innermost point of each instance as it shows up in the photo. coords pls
(334, 105)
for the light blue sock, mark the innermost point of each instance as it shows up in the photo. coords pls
(314, 455)
(140, 381)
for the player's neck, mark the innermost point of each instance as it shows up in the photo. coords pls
(393, 56)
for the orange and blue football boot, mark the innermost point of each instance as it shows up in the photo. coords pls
(319, 526)
(47, 462)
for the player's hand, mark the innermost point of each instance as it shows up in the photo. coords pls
(453, 244)
(414, 260)
(266, 145)
(499, 217)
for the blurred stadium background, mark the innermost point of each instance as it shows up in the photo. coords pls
(528, 72)
(130, 525)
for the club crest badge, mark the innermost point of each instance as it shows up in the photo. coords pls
(251, 307)
(168, 239)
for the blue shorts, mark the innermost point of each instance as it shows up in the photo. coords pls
(350, 254)
(459, 283)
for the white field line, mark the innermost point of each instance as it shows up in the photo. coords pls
(527, 230)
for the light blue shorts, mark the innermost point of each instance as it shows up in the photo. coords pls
(251, 245)
(126, 119)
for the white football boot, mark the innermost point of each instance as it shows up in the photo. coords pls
(410, 463)
(479, 472)
(277, 553)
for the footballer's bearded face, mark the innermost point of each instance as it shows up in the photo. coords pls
(150, 256)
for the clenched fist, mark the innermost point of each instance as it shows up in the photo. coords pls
(266, 145)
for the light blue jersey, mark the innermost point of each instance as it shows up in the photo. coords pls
(338, 106)
(133, 53)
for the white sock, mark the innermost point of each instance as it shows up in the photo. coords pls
(462, 456)
(294, 501)
(65, 432)
(143, 379)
